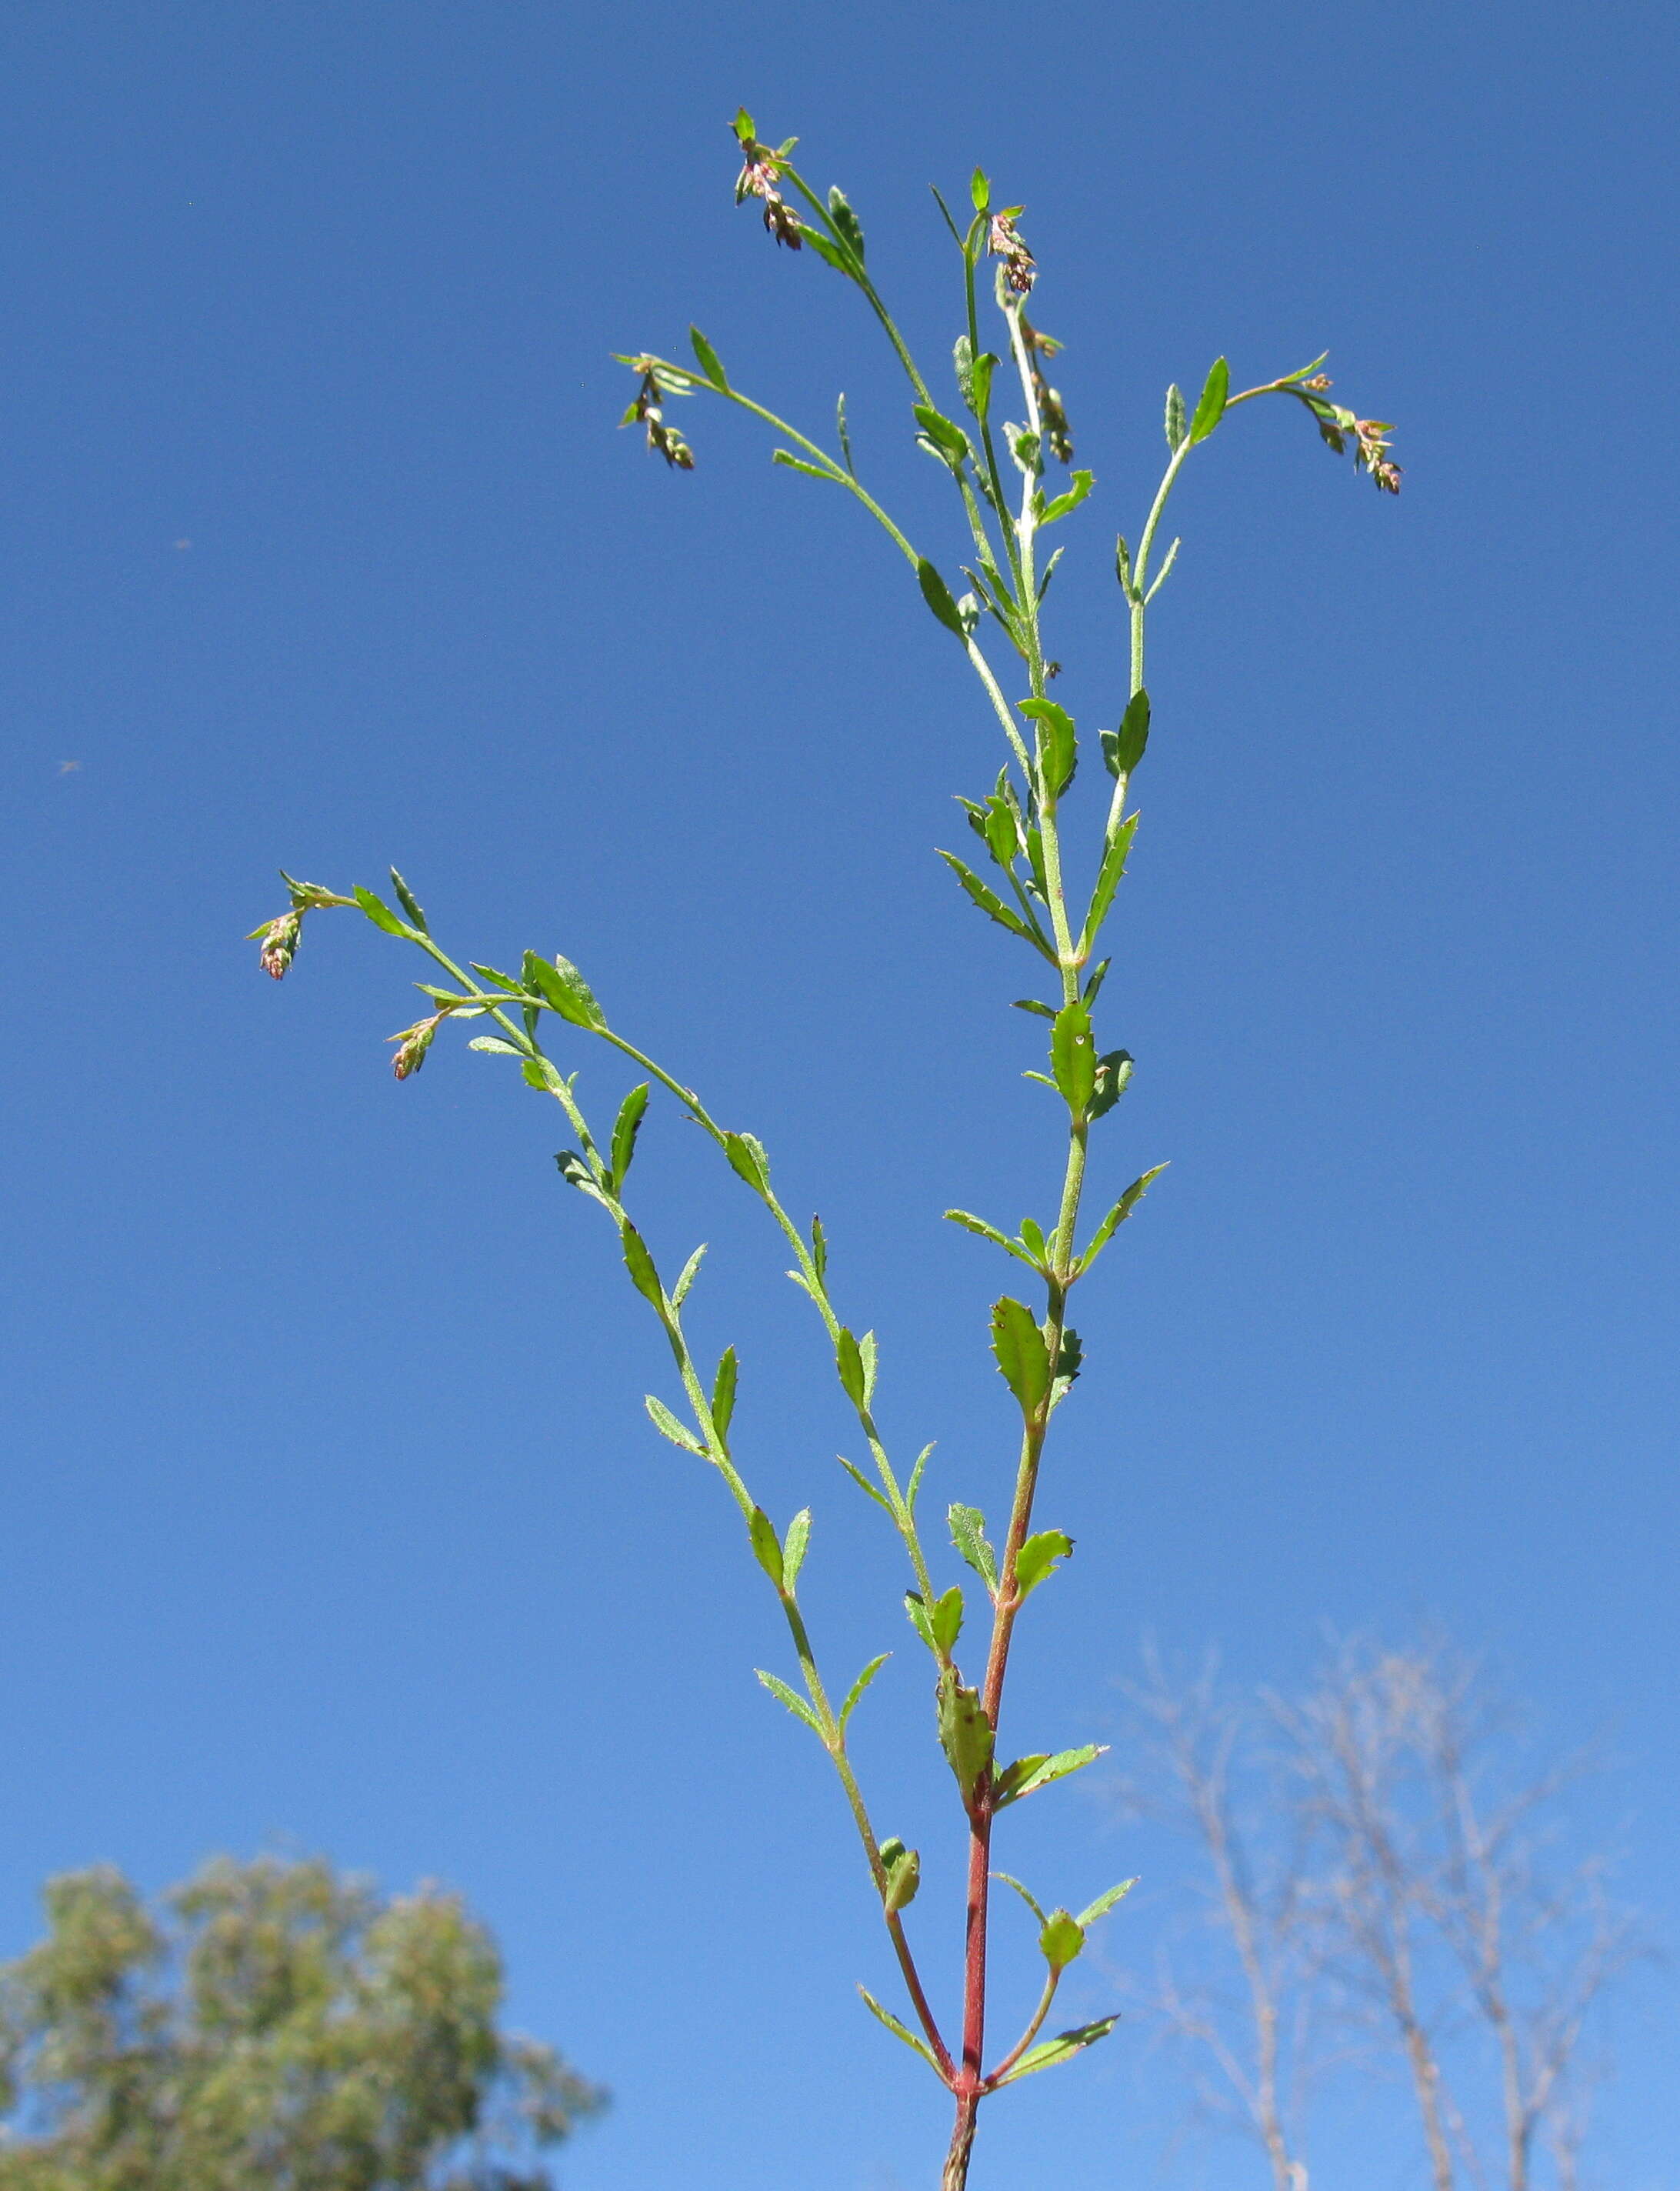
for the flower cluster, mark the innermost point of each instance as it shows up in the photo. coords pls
(280, 941)
(760, 167)
(1369, 436)
(1020, 268)
(414, 1043)
(1057, 432)
(649, 409)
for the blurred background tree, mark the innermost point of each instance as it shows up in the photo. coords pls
(1398, 1915)
(274, 2023)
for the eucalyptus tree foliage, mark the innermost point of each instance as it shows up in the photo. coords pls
(273, 2023)
(1003, 437)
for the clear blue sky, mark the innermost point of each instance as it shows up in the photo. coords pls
(330, 1509)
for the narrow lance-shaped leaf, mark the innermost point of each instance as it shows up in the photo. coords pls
(667, 1425)
(564, 990)
(1062, 2048)
(1028, 1774)
(982, 1231)
(1211, 407)
(709, 361)
(937, 596)
(1058, 748)
(796, 1703)
(1105, 1903)
(946, 436)
(1123, 749)
(1062, 504)
(795, 1546)
(993, 906)
(640, 1264)
(856, 1691)
(1117, 1215)
(849, 1361)
(1176, 427)
(625, 1129)
(1108, 875)
(850, 227)
(748, 1160)
(380, 913)
(410, 904)
(897, 2029)
(723, 1392)
(767, 1546)
(946, 1620)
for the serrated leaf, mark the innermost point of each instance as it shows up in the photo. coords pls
(1082, 485)
(856, 1691)
(748, 1160)
(767, 1546)
(1058, 747)
(897, 2029)
(947, 1620)
(968, 1535)
(1028, 1774)
(1038, 1558)
(496, 980)
(982, 1230)
(850, 228)
(564, 990)
(993, 906)
(796, 1703)
(494, 1042)
(640, 1264)
(1115, 855)
(1073, 1056)
(410, 904)
(1105, 1903)
(1210, 406)
(964, 1731)
(1019, 1346)
(937, 596)
(1113, 1070)
(1061, 1939)
(667, 1425)
(1117, 1215)
(625, 1129)
(380, 913)
(709, 361)
(1061, 2048)
(723, 1392)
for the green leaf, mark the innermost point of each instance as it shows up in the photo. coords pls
(795, 1546)
(980, 384)
(1105, 1903)
(937, 596)
(380, 913)
(742, 127)
(964, 1731)
(863, 1680)
(946, 436)
(979, 1226)
(1031, 1004)
(1009, 1880)
(1305, 372)
(1061, 1939)
(946, 1620)
(766, 1546)
(968, 1535)
(915, 1605)
(850, 228)
(830, 252)
(849, 1361)
(691, 1271)
(1061, 2048)
(819, 1248)
(709, 361)
(1117, 1215)
(1033, 1240)
(980, 191)
(625, 1127)
(1028, 1774)
(863, 1481)
(410, 904)
(1021, 1352)
(564, 990)
(799, 465)
(1115, 854)
(1067, 1364)
(723, 1392)
(866, 1355)
(1082, 483)
(496, 980)
(1113, 1070)
(1038, 1558)
(748, 1160)
(1058, 748)
(640, 1264)
(993, 906)
(897, 2029)
(667, 1424)
(904, 1869)
(1211, 407)
(1123, 749)
(1073, 1056)
(1175, 418)
(543, 1073)
(796, 1703)
(914, 1484)
(494, 1042)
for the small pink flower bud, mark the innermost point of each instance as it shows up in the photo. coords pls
(280, 944)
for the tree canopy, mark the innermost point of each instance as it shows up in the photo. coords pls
(275, 2024)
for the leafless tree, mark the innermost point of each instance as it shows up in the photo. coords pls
(1387, 1872)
